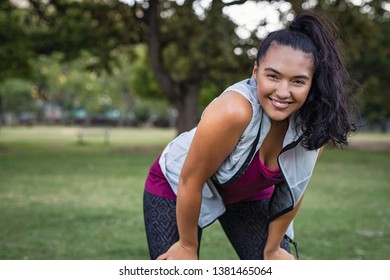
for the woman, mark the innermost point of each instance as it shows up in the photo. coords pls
(250, 158)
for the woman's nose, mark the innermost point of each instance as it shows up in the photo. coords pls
(283, 90)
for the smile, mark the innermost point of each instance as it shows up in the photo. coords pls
(280, 105)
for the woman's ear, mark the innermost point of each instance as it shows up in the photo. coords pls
(255, 70)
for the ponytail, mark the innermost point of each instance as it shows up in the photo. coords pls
(325, 116)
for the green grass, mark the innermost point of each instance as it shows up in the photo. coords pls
(346, 213)
(63, 200)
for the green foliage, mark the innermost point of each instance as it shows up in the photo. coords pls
(71, 85)
(141, 77)
(374, 100)
(150, 110)
(142, 111)
(15, 47)
(16, 95)
(374, 105)
(208, 93)
(201, 47)
(70, 27)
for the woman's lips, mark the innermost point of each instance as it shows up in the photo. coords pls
(280, 104)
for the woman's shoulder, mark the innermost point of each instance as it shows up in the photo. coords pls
(232, 107)
(248, 89)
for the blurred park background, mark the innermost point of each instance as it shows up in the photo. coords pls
(92, 90)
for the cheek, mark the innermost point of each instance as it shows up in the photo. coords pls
(305, 95)
(262, 89)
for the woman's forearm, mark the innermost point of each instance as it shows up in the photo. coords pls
(187, 214)
(277, 229)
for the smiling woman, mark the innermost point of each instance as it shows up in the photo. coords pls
(284, 78)
(250, 159)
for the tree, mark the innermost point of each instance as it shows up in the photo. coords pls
(185, 49)
(16, 95)
(15, 51)
(71, 27)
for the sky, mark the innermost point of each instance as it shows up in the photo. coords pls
(248, 16)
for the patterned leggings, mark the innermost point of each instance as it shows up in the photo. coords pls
(245, 224)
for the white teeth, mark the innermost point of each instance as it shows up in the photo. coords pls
(280, 104)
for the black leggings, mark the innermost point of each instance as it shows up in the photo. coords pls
(245, 224)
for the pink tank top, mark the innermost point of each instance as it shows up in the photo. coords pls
(257, 183)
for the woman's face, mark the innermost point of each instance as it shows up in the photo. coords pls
(283, 77)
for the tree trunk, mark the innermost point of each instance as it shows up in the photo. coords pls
(184, 96)
(187, 107)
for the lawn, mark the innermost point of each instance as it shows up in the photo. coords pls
(62, 198)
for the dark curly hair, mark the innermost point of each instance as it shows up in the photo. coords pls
(327, 115)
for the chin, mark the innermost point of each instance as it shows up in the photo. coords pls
(277, 117)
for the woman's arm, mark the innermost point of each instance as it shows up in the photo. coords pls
(219, 130)
(277, 230)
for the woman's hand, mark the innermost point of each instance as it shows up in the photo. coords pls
(179, 251)
(278, 254)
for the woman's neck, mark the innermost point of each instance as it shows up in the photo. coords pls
(273, 143)
(279, 125)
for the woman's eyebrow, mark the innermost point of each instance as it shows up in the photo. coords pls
(277, 72)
